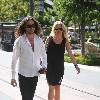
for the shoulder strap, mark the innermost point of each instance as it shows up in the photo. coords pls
(48, 40)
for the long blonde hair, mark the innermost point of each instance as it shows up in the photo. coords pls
(65, 35)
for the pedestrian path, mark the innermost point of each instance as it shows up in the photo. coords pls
(69, 90)
(92, 68)
(3, 96)
(7, 92)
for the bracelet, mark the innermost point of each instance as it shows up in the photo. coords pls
(75, 65)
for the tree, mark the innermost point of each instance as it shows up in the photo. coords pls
(13, 9)
(77, 11)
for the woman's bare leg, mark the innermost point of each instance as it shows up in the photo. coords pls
(57, 92)
(51, 92)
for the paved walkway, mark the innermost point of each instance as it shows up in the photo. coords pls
(7, 92)
(68, 92)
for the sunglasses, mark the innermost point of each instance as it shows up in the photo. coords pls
(59, 29)
(30, 26)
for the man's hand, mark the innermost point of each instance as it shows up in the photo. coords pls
(42, 70)
(13, 82)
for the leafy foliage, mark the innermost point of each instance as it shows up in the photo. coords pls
(12, 9)
(85, 60)
(67, 10)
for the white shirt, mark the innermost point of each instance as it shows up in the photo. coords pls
(28, 61)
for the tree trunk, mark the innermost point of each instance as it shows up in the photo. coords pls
(83, 37)
(31, 7)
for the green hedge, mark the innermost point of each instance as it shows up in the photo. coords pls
(85, 60)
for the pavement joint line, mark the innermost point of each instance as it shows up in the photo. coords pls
(76, 89)
(18, 87)
(81, 90)
(4, 66)
(62, 85)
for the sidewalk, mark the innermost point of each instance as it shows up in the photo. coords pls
(69, 90)
(7, 92)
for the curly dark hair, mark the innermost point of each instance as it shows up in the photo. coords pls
(20, 29)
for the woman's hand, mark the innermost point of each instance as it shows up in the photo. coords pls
(13, 82)
(77, 68)
(42, 70)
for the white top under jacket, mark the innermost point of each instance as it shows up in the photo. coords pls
(28, 61)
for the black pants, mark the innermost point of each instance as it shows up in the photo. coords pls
(27, 86)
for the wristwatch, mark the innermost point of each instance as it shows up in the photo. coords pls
(75, 65)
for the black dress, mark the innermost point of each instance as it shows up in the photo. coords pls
(55, 59)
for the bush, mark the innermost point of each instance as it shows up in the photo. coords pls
(67, 58)
(93, 59)
(85, 60)
(73, 40)
(81, 60)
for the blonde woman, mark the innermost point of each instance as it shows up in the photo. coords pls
(55, 46)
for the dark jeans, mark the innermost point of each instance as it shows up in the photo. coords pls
(27, 86)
